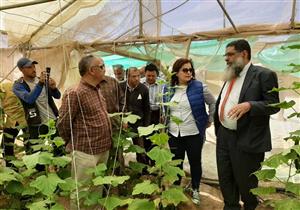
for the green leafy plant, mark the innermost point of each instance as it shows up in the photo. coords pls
(289, 158)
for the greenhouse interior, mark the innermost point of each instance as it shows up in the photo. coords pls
(58, 34)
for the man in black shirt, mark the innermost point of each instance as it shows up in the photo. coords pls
(137, 102)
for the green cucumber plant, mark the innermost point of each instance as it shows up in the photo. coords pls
(289, 158)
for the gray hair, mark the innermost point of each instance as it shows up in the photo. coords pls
(85, 64)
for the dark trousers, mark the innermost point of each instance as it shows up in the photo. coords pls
(8, 141)
(235, 168)
(192, 145)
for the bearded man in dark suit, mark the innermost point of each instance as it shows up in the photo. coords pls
(242, 124)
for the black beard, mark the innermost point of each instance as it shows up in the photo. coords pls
(237, 70)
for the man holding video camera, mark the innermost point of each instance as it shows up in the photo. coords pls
(36, 95)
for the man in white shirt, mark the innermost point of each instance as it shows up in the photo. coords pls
(242, 124)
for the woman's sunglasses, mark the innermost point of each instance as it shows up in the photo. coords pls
(186, 70)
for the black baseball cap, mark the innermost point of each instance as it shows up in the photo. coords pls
(25, 62)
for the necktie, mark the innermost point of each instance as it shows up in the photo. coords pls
(226, 98)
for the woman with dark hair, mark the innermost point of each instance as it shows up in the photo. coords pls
(190, 97)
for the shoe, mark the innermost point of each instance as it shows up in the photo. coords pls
(196, 197)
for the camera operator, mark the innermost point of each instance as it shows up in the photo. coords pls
(36, 95)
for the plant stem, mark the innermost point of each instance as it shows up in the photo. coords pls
(290, 169)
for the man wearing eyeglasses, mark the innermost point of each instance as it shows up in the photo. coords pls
(84, 123)
(242, 124)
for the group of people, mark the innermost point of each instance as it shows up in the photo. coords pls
(240, 115)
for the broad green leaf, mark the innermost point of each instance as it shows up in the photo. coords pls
(92, 199)
(176, 120)
(61, 161)
(29, 191)
(154, 169)
(31, 160)
(145, 131)
(160, 155)
(265, 174)
(38, 205)
(99, 170)
(69, 185)
(45, 158)
(293, 46)
(275, 160)
(296, 85)
(159, 138)
(287, 204)
(17, 163)
(279, 89)
(28, 172)
(47, 184)
(173, 196)
(291, 155)
(113, 180)
(293, 187)
(58, 141)
(263, 190)
(111, 203)
(295, 114)
(175, 162)
(137, 167)
(57, 206)
(296, 148)
(41, 147)
(296, 133)
(159, 126)
(132, 118)
(171, 173)
(145, 188)
(135, 149)
(139, 204)
(14, 187)
(284, 104)
(6, 176)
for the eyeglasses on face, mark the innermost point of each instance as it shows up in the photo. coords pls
(186, 70)
(229, 54)
(100, 67)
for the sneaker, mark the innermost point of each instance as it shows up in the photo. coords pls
(196, 197)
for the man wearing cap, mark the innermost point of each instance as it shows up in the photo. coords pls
(119, 72)
(36, 95)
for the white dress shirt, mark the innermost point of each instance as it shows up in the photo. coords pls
(233, 98)
(183, 111)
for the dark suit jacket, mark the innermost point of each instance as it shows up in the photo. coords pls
(137, 102)
(253, 129)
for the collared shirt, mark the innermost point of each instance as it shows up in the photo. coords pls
(183, 111)
(155, 94)
(12, 106)
(113, 94)
(84, 117)
(233, 98)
